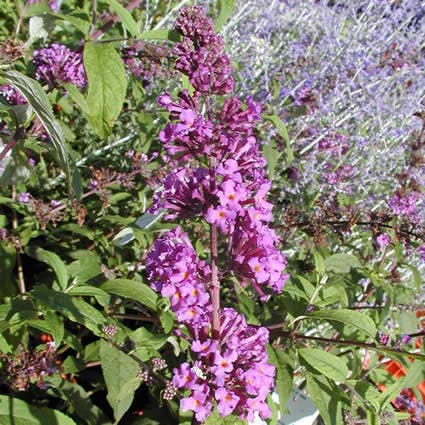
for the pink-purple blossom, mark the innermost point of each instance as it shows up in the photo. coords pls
(233, 371)
(383, 240)
(58, 64)
(405, 205)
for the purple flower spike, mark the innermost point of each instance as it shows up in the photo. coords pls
(58, 64)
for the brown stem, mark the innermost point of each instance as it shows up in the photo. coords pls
(135, 317)
(21, 18)
(63, 205)
(370, 346)
(421, 333)
(215, 283)
(21, 280)
(93, 21)
(360, 223)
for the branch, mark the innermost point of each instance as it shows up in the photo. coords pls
(369, 346)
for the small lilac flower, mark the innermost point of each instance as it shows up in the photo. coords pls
(227, 401)
(93, 184)
(405, 205)
(198, 403)
(54, 203)
(383, 338)
(406, 339)
(24, 197)
(383, 240)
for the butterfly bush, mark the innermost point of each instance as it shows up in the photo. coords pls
(217, 175)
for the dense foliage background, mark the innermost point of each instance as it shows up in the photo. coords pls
(85, 339)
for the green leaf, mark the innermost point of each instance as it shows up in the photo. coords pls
(326, 363)
(53, 261)
(77, 18)
(132, 289)
(284, 377)
(147, 344)
(86, 267)
(319, 263)
(39, 27)
(160, 35)
(79, 399)
(283, 133)
(342, 263)
(14, 411)
(225, 10)
(101, 296)
(147, 220)
(8, 254)
(72, 308)
(366, 393)
(107, 86)
(167, 320)
(4, 345)
(37, 98)
(272, 156)
(125, 16)
(349, 317)
(14, 167)
(77, 97)
(120, 373)
(325, 398)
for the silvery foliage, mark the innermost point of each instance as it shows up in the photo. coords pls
(361, 61)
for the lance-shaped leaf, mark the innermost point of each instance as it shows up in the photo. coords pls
(107, 86)
(125, 16)
(37, 98)
(120, 373)
(348, 317)
(326, 363)
(14, 411)
(225, 11)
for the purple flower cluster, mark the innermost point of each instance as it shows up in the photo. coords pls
(231, 192)
(58, 64)
(407, 401)
(145, 61)
(421, 251)
(218, 175)
(232, 370)
(405, 205)
(175, 271)
(200, 54)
